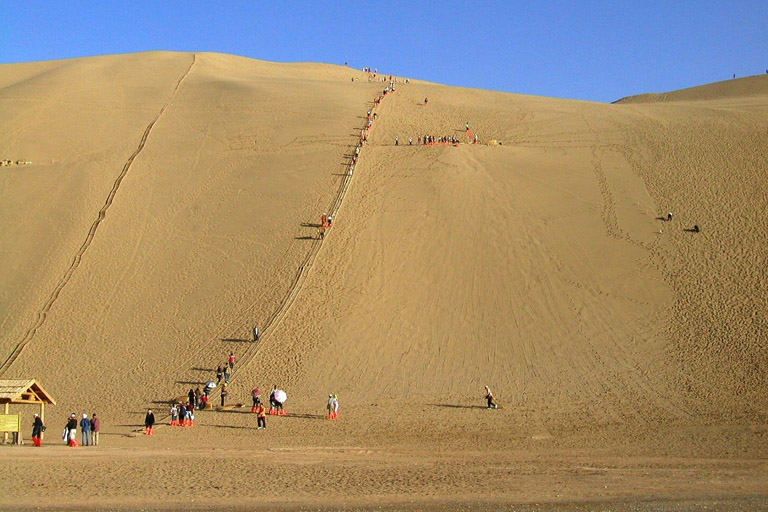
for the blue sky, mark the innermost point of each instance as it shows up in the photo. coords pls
(590, 50)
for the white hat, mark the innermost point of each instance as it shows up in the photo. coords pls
(85, 415)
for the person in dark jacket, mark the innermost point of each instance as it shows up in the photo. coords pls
(71, 431)
(219, 374)
(95, 428)
(37, 431)
(149, 423)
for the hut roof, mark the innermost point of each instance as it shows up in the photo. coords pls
(23, 391)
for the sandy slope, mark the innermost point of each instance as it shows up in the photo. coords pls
(629, 353)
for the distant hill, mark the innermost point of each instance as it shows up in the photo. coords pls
(737, 88)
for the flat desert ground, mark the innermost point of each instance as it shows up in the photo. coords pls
(171, 203)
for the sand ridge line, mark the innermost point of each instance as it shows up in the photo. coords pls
(43, 313)
(303, 271)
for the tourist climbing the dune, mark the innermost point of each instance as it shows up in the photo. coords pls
(219, 374)
(224, 394)
(255, 334)
(426, 102)
(489, 398)
(231, 360)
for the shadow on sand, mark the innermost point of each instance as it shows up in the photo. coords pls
(458, 406)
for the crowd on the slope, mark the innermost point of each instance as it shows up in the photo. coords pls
(182, 413)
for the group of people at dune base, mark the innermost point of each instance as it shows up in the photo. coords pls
(184, 416)
(89, 430)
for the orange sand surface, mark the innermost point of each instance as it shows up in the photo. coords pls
(172, 203)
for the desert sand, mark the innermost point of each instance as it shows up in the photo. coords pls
(172, 203)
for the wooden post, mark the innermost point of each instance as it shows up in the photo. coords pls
(42, 416)
(5, 434)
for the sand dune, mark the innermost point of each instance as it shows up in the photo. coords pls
(755, 87)
(171, 205)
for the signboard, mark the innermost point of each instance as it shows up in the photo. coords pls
(10, 423)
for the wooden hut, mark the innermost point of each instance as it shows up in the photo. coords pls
(20, 391)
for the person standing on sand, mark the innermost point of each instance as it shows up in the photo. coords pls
(71, 431)
(37, 431)
(333, 406)
(149, 423)
(669, 216)
(174, 415)
(191, 396)
(224, 394)
(272, 401)
(231, 360)
(426, 102)
(261, 416)
(95, 429)
(489, 399)
(85, 430)
(255, 334)
(219, 374)
(227, 374)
